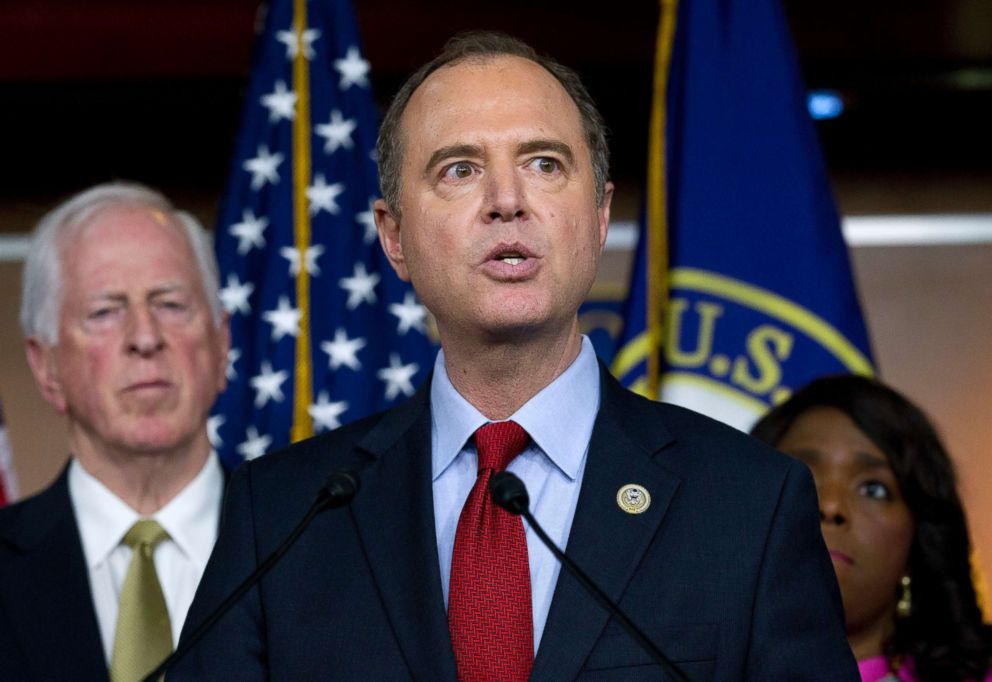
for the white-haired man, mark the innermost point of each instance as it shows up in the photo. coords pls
(125, 336)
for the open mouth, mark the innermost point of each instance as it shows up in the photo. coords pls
(512, 253)
(511, 258)
(511, 262)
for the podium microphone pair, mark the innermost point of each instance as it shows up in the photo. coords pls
(508, 491)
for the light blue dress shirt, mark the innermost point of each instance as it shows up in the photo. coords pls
(559, 420)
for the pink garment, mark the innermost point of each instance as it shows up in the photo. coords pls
(875, 669)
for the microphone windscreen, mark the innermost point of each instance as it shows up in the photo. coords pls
(340, 487)
(509, 492)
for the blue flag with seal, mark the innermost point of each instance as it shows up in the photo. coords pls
(741, 289)
(323, 332)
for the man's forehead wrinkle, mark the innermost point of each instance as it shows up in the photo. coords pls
(155, 290)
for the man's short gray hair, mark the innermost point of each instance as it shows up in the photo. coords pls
(484, 46)
(41, 293)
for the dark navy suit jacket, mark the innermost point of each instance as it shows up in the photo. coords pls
(48, 628)
(726, 571)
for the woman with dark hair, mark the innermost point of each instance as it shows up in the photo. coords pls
(893, 523)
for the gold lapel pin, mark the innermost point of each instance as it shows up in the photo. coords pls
(633, 498)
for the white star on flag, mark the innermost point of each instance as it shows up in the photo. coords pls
(367, 219)
(249, 231)
(410, 314)
(360, 286)
(310, 256)
(353, 69)
(234, 296)
(264, 167)
(254, 445)
(214, 422)
(337, 132)
(233, 356)
(343, 351)
(397, 377)
(284, 319)
(325, 413)
(268, 384)
(281, 103)
(323, 196)
(292, 42)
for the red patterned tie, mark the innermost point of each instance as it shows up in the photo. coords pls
(489, 605)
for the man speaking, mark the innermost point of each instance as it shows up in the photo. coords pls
(494, 170)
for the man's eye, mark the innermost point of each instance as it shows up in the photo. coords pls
(104, 317)
(458, 171)
(103, 313)
(545, 164)
(171, 309)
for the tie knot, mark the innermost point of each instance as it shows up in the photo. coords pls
(498, 443)
(145, 534)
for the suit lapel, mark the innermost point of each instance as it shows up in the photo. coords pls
(604, 541)
(46, 590)
(395, 518)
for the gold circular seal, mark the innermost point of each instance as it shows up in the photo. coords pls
(633, 498)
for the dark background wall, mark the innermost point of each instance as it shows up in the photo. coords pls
(115, 88)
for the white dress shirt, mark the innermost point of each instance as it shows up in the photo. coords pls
(559, 420)
(190, 519)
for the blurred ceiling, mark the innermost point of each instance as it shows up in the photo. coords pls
(151, 90)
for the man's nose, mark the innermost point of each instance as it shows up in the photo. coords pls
(505, 196)
(143, 333)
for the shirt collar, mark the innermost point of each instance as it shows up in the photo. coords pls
(190, 518)
(103, 518)
(559, 418)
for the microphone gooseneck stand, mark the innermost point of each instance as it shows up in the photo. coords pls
(338, 490)
(510, 493)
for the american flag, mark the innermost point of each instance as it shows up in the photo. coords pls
(323, 332)
(8, 482)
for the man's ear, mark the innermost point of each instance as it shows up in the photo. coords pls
(604, 214)
(224, 341)
(41, 359)
(388, 227)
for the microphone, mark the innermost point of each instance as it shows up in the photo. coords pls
(337, 491)
(510, 493)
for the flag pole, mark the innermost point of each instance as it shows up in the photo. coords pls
(303, 377)
(657, 218)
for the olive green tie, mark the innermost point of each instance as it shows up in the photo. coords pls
(144, 635)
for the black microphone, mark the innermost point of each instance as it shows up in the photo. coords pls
(510, 493)
(337, 491)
